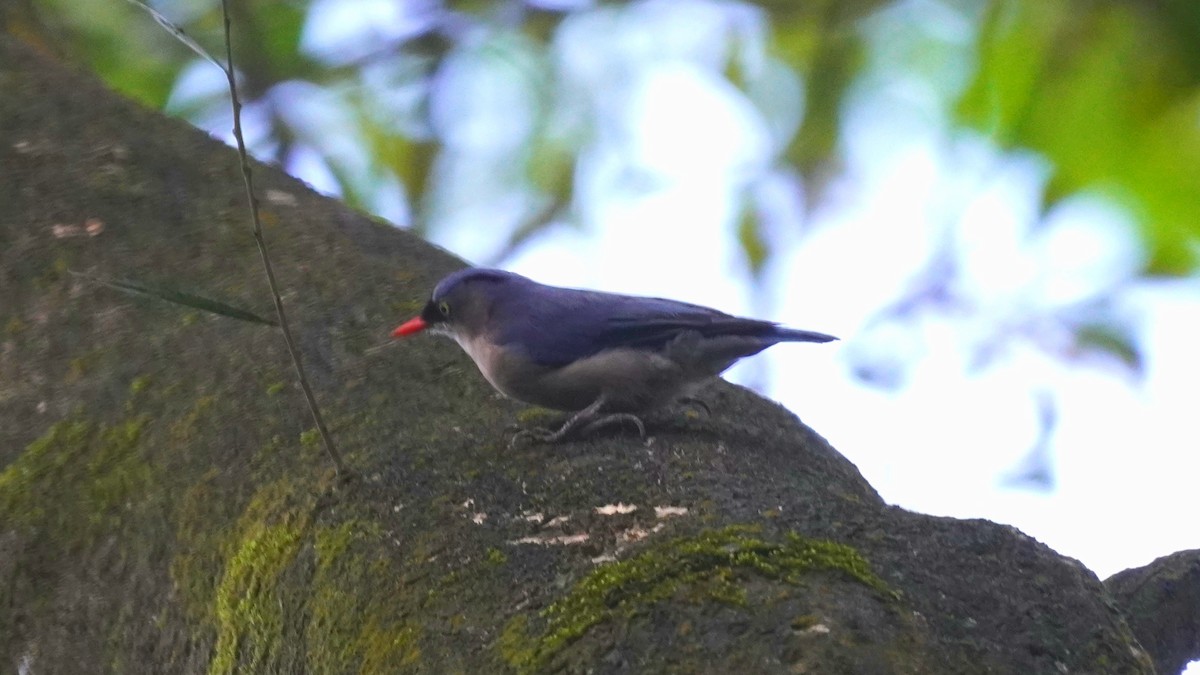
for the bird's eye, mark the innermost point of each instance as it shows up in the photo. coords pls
(444, 308)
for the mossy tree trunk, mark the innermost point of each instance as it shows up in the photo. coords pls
(165, 506)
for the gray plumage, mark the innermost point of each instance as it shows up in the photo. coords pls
(609, 356)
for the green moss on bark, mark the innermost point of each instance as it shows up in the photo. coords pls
(708, 567)
(249, 607)
(348, 631)
(198, 560)
(76, 480)
(277, 536)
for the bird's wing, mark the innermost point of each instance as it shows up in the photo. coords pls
(654, 332)
(559, 327)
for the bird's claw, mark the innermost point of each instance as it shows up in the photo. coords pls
(543, 435)
(616, 418)
(534, 435)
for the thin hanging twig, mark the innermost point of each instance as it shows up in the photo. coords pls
(330, 448)
(229, 71)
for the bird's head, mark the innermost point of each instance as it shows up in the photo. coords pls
(461, 303)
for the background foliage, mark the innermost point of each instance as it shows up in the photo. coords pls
(484, 124)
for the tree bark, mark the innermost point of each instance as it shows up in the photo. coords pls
(164, 506)
(1162, 605)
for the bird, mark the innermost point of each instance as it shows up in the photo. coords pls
(605, 357)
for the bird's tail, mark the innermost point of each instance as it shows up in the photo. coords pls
(797, 335)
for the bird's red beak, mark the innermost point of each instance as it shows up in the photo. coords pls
(413, 325)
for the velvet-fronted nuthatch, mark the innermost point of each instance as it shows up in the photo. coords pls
(606, 357)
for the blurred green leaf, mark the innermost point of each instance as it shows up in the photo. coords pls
(829, 55)
(551, 167)
(752, 241)
(539, 25)
(1115, 341)
(409, 159)
(1098, 89)
(412, 162)
(278, 27)
(1182, 19)
(1013, 46)
(123, 44)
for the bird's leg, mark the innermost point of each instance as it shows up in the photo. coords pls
(589, 419)
(547, 436)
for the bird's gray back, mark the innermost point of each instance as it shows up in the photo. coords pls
(557, 326)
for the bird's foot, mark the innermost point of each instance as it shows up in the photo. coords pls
(587, 420)
(540, 435)
(616, 418)
(584, 428)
